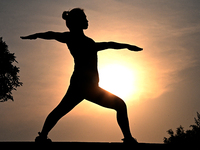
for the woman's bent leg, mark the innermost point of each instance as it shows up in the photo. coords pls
(108, 100)
(122, 119)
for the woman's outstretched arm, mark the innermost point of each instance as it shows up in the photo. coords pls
(105, 45)
(50, 35)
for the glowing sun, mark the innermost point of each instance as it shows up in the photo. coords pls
(117, 79)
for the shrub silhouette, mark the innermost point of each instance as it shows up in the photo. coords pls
(9, 79)
(185, 137)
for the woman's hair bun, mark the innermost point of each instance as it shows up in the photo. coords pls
(65, 15)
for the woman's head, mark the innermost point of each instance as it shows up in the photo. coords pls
(75, 19)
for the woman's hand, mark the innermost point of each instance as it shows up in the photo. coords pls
(30, 37)
(134, 48)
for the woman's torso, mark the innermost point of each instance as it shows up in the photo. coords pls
(84, 52)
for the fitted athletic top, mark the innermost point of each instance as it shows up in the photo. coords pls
(84, 52)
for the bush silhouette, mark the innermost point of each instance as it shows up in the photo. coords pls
(185, 137)
(9, 79)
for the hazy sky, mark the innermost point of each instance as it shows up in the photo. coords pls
(166, 73)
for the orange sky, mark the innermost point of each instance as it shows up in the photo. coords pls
(167, 70)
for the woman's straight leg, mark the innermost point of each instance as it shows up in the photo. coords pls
(69, 101)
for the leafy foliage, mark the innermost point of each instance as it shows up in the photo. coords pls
(9, 79)
(185, 137)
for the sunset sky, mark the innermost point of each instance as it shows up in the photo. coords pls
(160, 85)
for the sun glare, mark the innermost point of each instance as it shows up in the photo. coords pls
(118, 79)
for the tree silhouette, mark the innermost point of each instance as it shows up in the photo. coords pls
(185, 137)
(9, 79)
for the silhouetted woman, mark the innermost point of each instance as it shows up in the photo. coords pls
(85, 78)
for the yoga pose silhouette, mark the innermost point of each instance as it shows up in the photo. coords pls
(85, 78)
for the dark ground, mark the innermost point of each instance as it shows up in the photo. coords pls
(82, 145)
